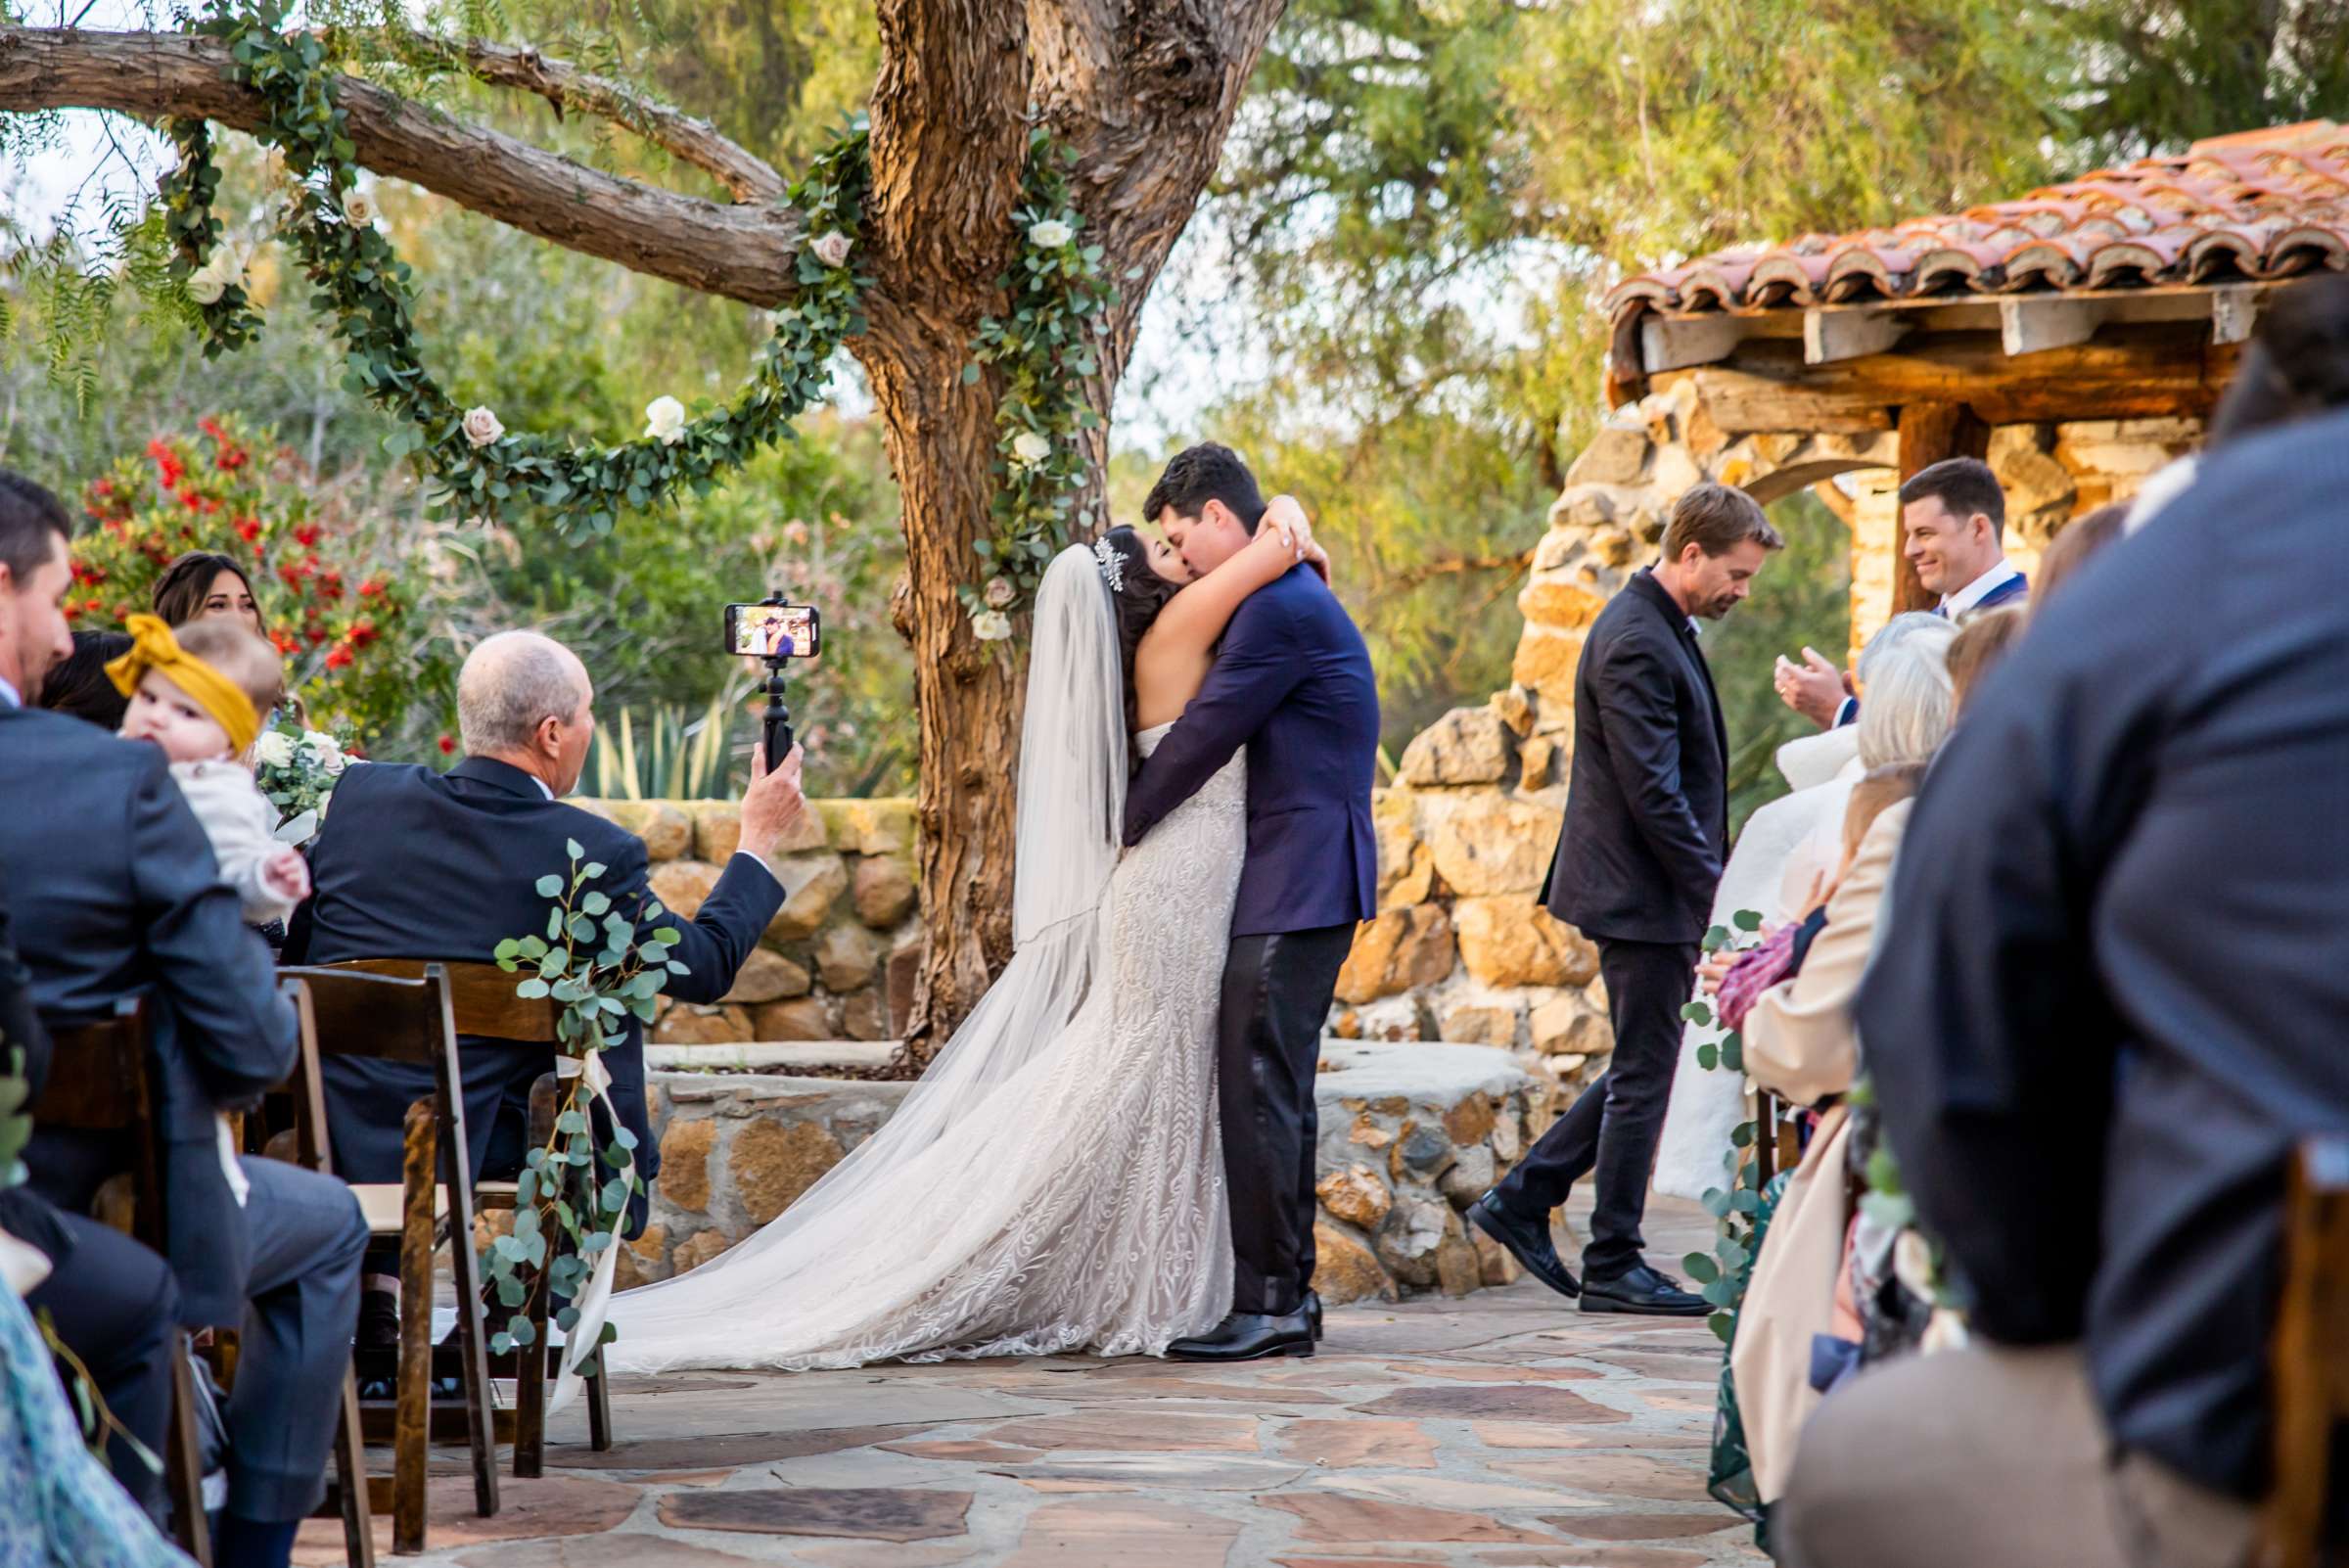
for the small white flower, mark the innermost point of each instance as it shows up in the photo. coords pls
(1050, 235)
(1030, 447)
(990, 625)
(208, 282)
(482, 427)
(274, 749)
(1913, 1263)
(664, 418)
(324, 749)
(999, 592)
(831, 248)
(360, 209)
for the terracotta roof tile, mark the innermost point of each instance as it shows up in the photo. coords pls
(2257, 205)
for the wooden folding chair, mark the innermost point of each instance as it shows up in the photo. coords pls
(2309, 1355)
(482, 997)
(102, 1079)
(382, 1018)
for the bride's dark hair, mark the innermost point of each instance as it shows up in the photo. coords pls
(1136, 599)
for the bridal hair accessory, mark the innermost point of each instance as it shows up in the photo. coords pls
(1113, 565)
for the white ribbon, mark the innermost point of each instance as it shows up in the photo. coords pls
(594, 1303)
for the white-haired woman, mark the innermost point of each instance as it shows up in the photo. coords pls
(1788, 846)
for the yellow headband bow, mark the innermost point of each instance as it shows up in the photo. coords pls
(153, 647)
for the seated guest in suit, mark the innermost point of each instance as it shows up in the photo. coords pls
(138, 909)
(1954, 531)
(417, 864)
(2106, 1009)
(78, 684)
(109, 1300)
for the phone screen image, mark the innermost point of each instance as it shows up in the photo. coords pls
(773, 630)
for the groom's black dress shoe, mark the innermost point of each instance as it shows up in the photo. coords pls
(1643, 1291)
(1527, 1241)
(1249, 1337)
(1313, 1313)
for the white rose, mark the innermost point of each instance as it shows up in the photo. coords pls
(999, 592)
(208, 282)
(664, 418)
(1030, 447)
(482, 427)
(359, 208)
(831, 248)
(274, 749)
(990, 625)
(324, 749)
(1050, 235)
(206, 287)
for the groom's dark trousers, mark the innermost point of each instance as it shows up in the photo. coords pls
(1647, 828)
(1292, 684)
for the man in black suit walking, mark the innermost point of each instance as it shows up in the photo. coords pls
(1647, 828)
(418, 865)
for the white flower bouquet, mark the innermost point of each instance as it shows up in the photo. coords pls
(297, 769)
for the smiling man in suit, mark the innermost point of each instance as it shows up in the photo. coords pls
(1647, 828)
(417, 864)
(1953, 532)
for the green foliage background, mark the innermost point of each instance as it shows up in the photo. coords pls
(1393, 288)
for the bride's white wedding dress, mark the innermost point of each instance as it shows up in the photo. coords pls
(1055, 1182)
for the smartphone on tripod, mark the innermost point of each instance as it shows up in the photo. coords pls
(777, 632)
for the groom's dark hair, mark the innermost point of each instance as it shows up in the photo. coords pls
(1202, 474)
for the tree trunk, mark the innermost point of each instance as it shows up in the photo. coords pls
(942, 443)
(1142, 90)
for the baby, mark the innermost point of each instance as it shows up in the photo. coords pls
(200, 696)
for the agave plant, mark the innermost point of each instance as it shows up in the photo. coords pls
(670, 755)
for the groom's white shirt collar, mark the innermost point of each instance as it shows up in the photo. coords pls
(10, 696)
(1973, 593)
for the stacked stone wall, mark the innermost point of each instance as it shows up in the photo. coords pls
(837, 961)
(1459, 951)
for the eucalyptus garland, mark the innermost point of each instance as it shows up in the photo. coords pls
(1044, 347)
(604, 968)
(368, 292)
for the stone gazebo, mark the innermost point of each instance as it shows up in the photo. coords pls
(2076, 338)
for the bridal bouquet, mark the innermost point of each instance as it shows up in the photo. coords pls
(297, 770)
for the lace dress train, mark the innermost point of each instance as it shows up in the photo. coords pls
(1060, 1188)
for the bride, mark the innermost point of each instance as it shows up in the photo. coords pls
(1055, 1180)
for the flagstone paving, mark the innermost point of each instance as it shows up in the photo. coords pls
(1505, 1430)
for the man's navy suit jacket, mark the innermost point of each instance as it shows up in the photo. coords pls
(417, 864)
(1292, 684)
(115, 894)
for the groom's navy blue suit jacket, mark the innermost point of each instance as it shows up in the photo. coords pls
(417, 864)
(1292, 684)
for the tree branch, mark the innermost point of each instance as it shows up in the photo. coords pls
(740, 252)
(749, 177)
(1456, 566)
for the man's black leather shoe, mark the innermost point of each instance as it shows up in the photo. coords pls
(1527, 1241)
(1313, 1313)
(1249, 1337)
(1643, 1291)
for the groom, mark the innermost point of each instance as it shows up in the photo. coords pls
(1292, 684)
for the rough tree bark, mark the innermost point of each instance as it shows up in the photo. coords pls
(1143, 90)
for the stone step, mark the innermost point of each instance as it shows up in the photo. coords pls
(809, 1058)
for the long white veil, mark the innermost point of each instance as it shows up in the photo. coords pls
(831, 1252)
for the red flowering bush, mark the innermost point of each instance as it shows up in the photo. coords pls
(334, 613)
